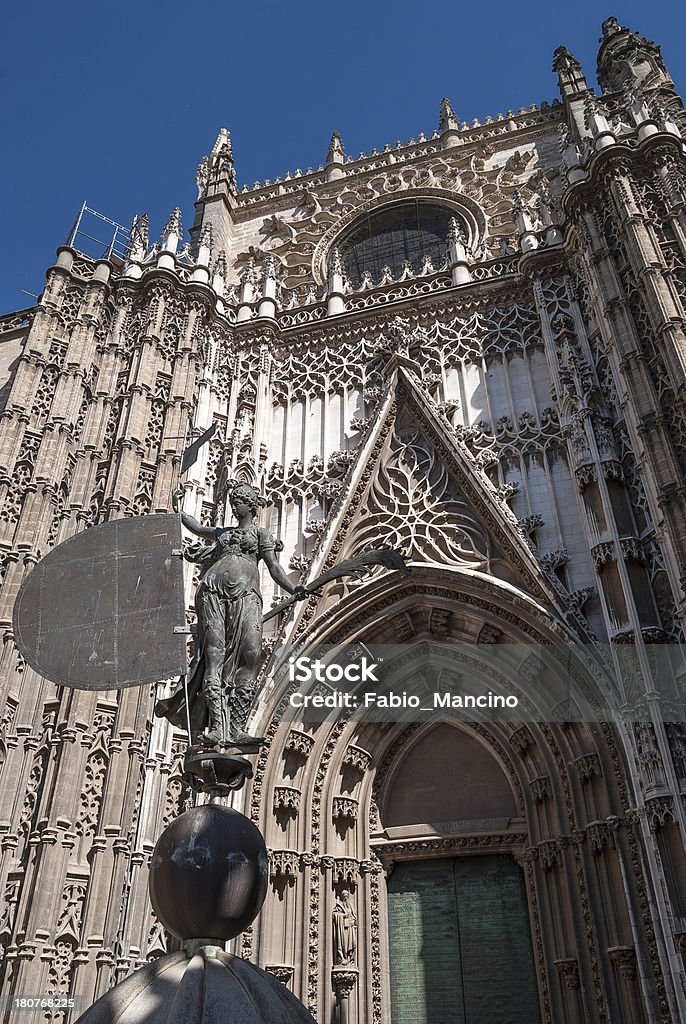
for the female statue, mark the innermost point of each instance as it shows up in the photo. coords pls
(229, 611)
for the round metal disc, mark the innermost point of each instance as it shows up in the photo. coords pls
(99, 611)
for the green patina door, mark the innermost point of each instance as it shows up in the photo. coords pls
(460, 944)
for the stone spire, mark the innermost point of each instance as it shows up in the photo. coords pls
(269, 282)
(221, 162)
(219, 274)
(172, 232)
(140, 228)
(596, 122)
(334, 158)
(336, 279)
(201, 272)
(138, 246)
(521, 214)
(448, 125)
(335, 154)
(205, 246)
(571, 158)
(458, 253)
(626, 59)
(447, 120)
(570, 77)
(202, 176)
(248, 290)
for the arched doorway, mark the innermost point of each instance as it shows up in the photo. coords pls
(549, 799)
(459, 939)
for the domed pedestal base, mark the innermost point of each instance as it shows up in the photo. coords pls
(198, 986)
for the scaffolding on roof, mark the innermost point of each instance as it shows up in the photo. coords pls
(83, 235)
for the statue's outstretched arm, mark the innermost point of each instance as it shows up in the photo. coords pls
(188, 521)
(195, 527)
(278, 574)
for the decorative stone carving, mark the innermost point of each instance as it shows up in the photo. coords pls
(624, 959)
(521, 739)
(299, 742)
(600, 836)
(344, 809)
(335, 152)
(287, 798)
(603, 553)
(508, 491)
(403, 627)
(173, 226)
(282, 972)
(550, 853)
(540, 788)
(357, 758)
(96, 769)
(344, 980)
(69, 924)
(578, 598)
(284, 863)
(632, 550)
(659, 811)
(676, 735)
(416, 507)
(439, 620)
(554, 559)
(9, 911)
(344, 870)
(569, 972)
(531, 523)
(447, 120)
(157, 940)
(488, 634)
(587, 766)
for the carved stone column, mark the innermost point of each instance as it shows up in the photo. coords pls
(344, 979)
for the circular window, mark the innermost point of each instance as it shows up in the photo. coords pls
(396, 236)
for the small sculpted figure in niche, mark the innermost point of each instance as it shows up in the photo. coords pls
(229, 613)
(344, 930)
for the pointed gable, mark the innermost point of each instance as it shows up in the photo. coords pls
(416, 486)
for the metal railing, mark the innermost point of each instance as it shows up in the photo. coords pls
(82, 235)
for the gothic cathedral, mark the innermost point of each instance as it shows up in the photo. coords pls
(470, 347)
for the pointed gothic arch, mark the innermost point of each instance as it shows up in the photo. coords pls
(319, 795)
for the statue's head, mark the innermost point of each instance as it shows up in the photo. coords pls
(243, 495)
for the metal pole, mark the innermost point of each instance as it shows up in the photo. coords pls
(188, 709)
(110, 248)
(77, 224)
(185, 675)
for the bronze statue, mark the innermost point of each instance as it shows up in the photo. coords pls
(229, 613)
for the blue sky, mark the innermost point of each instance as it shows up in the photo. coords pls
(115, 103)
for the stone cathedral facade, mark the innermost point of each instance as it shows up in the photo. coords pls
(471, 346)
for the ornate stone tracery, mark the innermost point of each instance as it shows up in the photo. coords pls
(414, 506)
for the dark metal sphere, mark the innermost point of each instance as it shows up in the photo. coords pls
(208, 877)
